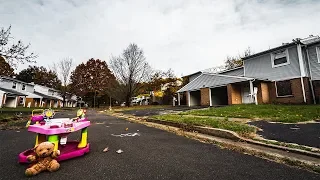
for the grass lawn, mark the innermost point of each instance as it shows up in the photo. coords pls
(278, 113)
(118, 108)
(240, 128)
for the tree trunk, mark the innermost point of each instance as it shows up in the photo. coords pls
(64, 100)
(128, 103)
(94, 99)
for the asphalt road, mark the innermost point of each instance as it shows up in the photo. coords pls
(303, 134)
(155, 154)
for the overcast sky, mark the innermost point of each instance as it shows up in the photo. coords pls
(185, 35)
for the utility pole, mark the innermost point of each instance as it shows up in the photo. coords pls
(94, 99)
(110, 104)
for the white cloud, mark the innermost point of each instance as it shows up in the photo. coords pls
(184, 35)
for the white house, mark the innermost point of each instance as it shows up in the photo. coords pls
(15, 93)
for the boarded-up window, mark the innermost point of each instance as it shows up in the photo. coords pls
(284, 88)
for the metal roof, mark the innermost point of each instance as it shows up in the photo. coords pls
(270, 50)
(11, 92)
(206, 80)
(45, 96)
(15, 80)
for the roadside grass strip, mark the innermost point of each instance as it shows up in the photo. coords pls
(276, 113)
(241, 129)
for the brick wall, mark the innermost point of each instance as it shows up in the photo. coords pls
(297, 93)
(308, 91)
(234, 94)
(205, 96)
(316, 88)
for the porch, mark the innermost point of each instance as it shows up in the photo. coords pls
(217, 90)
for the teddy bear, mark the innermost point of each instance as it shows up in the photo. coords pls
(44, 159)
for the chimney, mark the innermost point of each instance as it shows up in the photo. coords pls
(32, 83)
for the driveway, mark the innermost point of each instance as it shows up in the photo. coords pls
(158, 111)
(303, 134)
(153, 154)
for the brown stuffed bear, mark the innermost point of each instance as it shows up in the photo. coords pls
(44, 159)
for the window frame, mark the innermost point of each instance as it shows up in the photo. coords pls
(318, 53)
(273, 55)
(20, 103)
(291, 95)
(23, 88)
(14, 85)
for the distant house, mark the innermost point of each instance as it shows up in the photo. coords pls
(71, 101)
(15, 93)
(50, 97)
(289, 73)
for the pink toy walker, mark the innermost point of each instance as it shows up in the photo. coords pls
(55, 130)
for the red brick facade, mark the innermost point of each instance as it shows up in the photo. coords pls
(297, 93)
(316, 88)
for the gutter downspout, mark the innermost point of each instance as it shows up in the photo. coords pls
(310, 79)
(302, 71)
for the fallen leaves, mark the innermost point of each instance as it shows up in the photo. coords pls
(106, 149)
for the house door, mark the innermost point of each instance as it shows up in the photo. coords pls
(245, 93)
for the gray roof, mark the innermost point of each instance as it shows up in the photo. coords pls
(11, 92)
(15, 80)
(212, 80)
(45, 96)
(270, 50)
(310, 40)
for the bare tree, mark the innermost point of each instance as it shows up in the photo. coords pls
(131, 69)
(63, 69)
(236, 61)
(14, 53)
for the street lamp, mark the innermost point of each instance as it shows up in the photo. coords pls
(110, 104)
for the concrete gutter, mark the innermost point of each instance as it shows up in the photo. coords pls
(232, 141)
(231, 135)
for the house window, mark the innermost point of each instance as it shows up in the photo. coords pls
(283, 88)
(14, 85)
(280, 58)
(21, 100)
(23, 87)
(318, 53)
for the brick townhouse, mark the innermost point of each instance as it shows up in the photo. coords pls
(288, 74)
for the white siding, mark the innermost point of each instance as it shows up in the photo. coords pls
(261, 67)
(314, 64)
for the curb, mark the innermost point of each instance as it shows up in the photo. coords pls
(222, 133)
(231, 135)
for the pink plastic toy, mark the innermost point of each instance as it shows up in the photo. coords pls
(55, 131)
